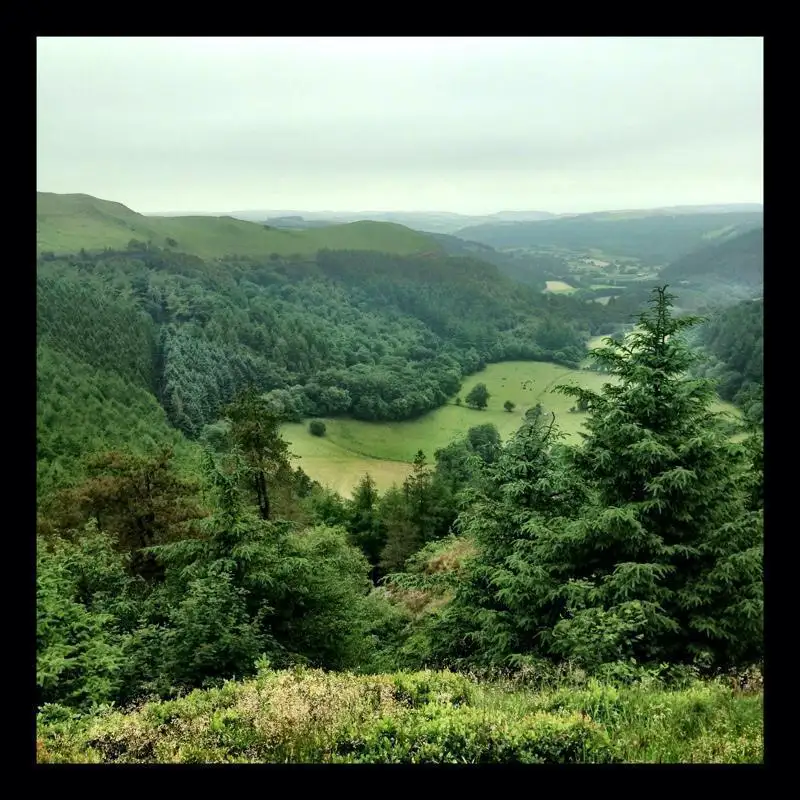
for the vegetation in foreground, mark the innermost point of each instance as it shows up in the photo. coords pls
(635, 556)
(311, 716)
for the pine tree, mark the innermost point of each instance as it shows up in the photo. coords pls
(644, 543)
(255, 429)
(497, 613)
(667, 562)
(367, 531)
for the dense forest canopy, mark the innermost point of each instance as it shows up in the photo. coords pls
(369, 334)
(733, 342)
(642, 546)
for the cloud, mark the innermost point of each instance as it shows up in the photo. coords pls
(462, 124)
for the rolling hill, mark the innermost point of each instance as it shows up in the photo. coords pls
(654, 239)
(739, 260)
(65, 223)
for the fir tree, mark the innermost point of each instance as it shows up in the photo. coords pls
(666, 563)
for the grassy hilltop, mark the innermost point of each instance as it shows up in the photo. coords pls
(69, 222)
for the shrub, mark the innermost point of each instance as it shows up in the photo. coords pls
(421, 688)
(316, 427)
(442, 735)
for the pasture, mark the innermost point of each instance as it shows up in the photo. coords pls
(559, 287)
(385, 449)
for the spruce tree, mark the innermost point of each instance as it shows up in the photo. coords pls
(255, 429)
(644, 543)
(497, 613)
(666, 563)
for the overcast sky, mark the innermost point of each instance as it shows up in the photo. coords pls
(473, 125)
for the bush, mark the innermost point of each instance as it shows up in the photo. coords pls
(316, 427)
(478, 396)
(420, 688)
(442, 735)
(310, 716)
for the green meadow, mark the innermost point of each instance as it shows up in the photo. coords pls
(559, 287)
(385, 450)
(67, 223)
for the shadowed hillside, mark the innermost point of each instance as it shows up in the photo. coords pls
(738, 260)
(654, 239)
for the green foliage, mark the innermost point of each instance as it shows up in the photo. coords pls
(81, 593)
(644, 543)
(421, 511)
(81, 410)
(366, 529)
(637, 553)
(96, 322)
(441, 735)
(316, 427)
(139, 501)
(672, 552)
(255, 430)
(478, 396)
(309, 716)
(372, 335)
(733, 342)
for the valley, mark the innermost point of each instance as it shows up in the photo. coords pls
(472, 475)
(385, 450)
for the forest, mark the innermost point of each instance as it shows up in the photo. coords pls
(170, 599)
(732, 340)
(133, 344)
(521, 597)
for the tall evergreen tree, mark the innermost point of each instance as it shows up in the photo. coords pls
(255, 430)
(667, 561)
(646, 543)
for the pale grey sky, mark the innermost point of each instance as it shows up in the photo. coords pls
(472, 125)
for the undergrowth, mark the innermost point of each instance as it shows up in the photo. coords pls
(311, 716)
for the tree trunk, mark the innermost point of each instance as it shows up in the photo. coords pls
(263, 497)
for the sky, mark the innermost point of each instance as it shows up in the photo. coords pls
(469, 125)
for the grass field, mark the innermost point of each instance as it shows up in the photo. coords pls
(559, 287)
(385, 450)
(67, 223)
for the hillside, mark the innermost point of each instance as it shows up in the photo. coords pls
(653, 239)
(533, 269)
(733, 342)
(375, 336)
(65, 223)
(738, 260)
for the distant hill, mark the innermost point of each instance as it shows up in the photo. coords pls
(654, 238)
(65, 223)
(425, 221)
(534, 269)
(297, 223)
(718, 275)
(738, 260)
